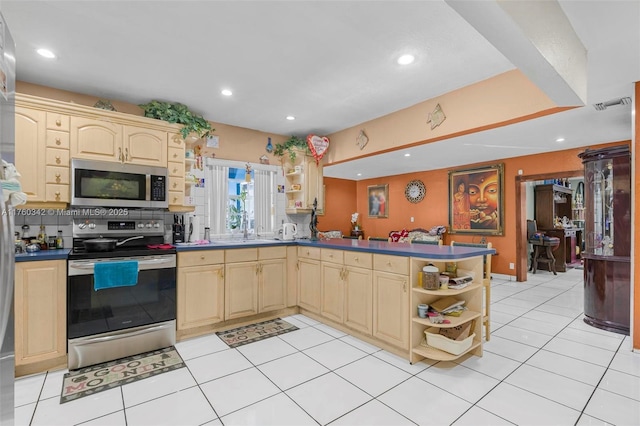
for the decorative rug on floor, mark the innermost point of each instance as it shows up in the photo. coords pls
(100, 377)
(254, 332)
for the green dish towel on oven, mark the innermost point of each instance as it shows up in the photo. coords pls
(115, 274)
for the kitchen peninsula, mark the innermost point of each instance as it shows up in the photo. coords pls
(369, 289)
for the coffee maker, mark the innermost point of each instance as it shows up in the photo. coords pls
(178, 229)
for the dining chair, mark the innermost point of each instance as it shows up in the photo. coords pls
(379, 239)
(428, 242)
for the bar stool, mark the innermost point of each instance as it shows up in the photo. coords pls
(543, 247)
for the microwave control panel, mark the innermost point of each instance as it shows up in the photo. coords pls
(158, 188)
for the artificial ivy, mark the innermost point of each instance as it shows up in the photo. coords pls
(290, 145)
(178, 113)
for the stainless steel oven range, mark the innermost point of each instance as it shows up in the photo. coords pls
(108, 319)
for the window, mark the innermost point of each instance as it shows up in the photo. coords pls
(230, 197)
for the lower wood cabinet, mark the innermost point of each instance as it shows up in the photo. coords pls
(346, 294)
(391, 299)
(257, 284)
(391, 308)
(200, 288)
(309, 279)
(40, 319)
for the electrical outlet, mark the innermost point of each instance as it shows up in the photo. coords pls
(512, 266)
(411, 219)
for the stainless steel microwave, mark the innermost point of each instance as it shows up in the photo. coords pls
(105, 184)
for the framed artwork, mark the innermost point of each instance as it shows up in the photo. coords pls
(378, 200)
(476, 200)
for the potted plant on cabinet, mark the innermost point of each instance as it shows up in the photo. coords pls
(178, 113)
(290, 146)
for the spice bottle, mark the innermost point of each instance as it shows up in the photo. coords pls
(59, 241)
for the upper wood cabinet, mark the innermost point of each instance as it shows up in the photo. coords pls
(145, 146)
(30, 152)
(94, 139)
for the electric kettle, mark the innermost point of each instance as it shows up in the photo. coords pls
(289, 231)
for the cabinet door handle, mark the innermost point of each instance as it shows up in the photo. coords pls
(175, 170)
(58, 141)
(57, 177)
(404, 286)
(298, 265)
(126, 154)
(58, 123)
(120, 155)
(221, 273)
(175, 155)
(257, 269)
(202, 257)
(57, 159)
(57, 195)
(175, 184)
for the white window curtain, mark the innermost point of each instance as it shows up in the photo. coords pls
(217, 177)
(264, 215)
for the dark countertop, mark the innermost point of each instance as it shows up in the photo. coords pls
(380, 247)
(58, 254)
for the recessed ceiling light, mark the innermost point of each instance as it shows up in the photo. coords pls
(359, 174)
(406, 59)
(560, 140)
(226, 92)
(46, 53)
(290, 117)
(407, 155)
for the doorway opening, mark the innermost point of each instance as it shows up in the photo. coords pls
(522, 245)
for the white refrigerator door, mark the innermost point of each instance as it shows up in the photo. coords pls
(7, 256)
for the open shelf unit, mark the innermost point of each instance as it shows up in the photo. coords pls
(472, 295)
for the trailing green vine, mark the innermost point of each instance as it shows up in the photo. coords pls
(290, 145)
(178, 113)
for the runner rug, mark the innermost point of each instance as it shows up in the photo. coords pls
(100, 377)
(255, 332)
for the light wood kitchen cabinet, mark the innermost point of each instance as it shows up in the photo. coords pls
(179, 166)
(358, 299)
(30, 133)
(391, 299)
(256, 281)
(40, 317)
(96, 139)
(145, 146)
(309, 283)
(42, 155)
(332, 291)
(200, 288)
(303, 183)
(346, 294)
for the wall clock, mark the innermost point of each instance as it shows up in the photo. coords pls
(415, 191)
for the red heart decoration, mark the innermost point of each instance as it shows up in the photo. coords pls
(318, 146)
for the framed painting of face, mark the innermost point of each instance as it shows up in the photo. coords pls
(476, 200)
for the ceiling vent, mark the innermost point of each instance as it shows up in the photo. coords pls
(601, 106)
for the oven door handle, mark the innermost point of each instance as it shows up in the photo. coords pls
(90, 265)
(87, 341)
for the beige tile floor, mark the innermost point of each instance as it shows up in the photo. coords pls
(543, 366)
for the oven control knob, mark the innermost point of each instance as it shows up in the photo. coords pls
(141, 225)
(156, 225)
(82, 225)
(148, 225)
(92, 226)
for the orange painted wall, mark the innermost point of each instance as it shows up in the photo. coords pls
(339, 199)
(434, 209)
